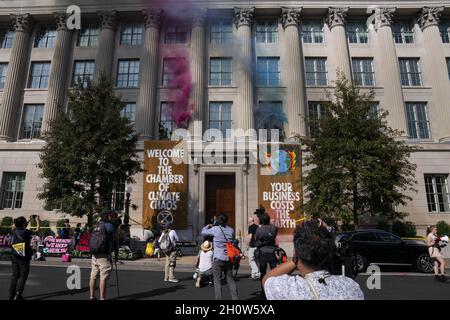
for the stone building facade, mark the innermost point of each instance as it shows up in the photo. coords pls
(242, 55)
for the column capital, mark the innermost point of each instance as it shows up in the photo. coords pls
(61, 20)
(244, 16)
(153, 18)
(199, 17)
(384, 17)
(108, 19)
(290, 16)
(430, 16)
(336, 16)
(22, 22)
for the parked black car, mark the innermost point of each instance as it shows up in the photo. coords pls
(383, 248)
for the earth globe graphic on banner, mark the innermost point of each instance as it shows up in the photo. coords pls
(280, 161)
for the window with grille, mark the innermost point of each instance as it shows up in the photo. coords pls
(268, 71)
(417, 118)
(444, 28)
(175, 34)
(6, 38)
(46, 37)
(410, 72)
(32, 121)
(3, 72)
(357, 32)
(118, 197)
(88, 36)
(312, 31)
(221, 32)
(39, 75)
(316, 71)
(403, 32)
(12, 190)
(220, 71)
(220, 117)
(315, 112)
(437, 191)
(129, 111)
(83, 72)
(128, 74)
(269, 115)
(267, 31)
(363, 74)
(166, 125)
(131, 34)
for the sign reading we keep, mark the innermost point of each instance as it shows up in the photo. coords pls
(165, 184)
(56, 246)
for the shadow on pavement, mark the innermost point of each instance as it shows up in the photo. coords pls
(43, 296)
(152, 293)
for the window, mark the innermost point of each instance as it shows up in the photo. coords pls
(46, 37)
(221, 32)
(176, 34)
(365, 236)
(128, 74)
(13, 185)
(444, 28)
(315, 112)
(6, 38)
(403, 32)
(32, 121)
(357, 32)
(387, 237)
(268, 71)
(131, 34)
(168, 71)
(83, 72)
(118, 197)
(40, 72)
(363, 73)
(166, 125)
(3, 72)
(267, 31)
(270, 115)
(312, 31)
(316, 71)
(220, 71)
(129, 111)
(448, 67)
(374, 109)
(410, 72)
(438, 196)
(88, 36)
(418, 125)
(220, 117)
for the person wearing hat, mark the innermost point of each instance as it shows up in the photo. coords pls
(204, 264)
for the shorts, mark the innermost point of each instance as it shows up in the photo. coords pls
(434, 252)
(101, 264)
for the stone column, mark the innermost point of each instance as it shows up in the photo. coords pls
(339, 58)
(9, 108)
(197, 68)
(57, 83)
(436, 67)
(107, 41)
(295, 108)
(146, 119)
(389, 72)
(243, 20)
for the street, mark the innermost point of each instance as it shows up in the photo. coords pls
(49, 283)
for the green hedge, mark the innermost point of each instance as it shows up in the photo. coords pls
(5, 226)
(443, 228)
(404, 229)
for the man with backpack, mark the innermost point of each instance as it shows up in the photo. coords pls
(225, 255)
(21, 255)
(101, 246)
(168, 245)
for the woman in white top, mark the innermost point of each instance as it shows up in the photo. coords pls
(434, 250)
(314, 247)
(204, 264)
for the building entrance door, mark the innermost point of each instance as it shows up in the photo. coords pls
(220, 197)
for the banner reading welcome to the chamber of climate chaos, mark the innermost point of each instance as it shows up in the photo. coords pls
(279, 185)
(165, 184)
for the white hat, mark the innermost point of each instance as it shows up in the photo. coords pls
(206, 246)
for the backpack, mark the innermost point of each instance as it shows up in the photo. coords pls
(233, 253)
(165, 243)
(98, 239)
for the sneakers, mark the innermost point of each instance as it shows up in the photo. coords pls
(174, 280)
(440, 278)
(255, 276)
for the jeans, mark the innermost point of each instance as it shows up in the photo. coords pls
(220, 266)
(20, 271)
(252, 262)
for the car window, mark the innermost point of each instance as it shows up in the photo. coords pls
(387, 237)
(366, 236)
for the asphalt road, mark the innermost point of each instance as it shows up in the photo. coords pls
(49, 283)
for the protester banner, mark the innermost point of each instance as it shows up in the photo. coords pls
(5, 241)
(83, 242)
(165, 184)
(279, 185)
(56, 246)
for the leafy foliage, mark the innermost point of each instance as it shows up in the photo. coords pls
(404, 229)
(358, 165)
(6, 226)
(443, 228)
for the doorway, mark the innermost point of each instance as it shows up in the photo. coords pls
(220, 197)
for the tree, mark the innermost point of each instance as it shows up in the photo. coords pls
(359, 167)
(89, 151)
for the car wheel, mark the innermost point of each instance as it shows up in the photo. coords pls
(361, 263)
(424, 263)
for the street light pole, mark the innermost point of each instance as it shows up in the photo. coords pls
(126, 220)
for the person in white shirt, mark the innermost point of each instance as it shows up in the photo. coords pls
(204, 268)
(314, 246)
(168, 245)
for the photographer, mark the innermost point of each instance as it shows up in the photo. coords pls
(21, 255)
(314, 247)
